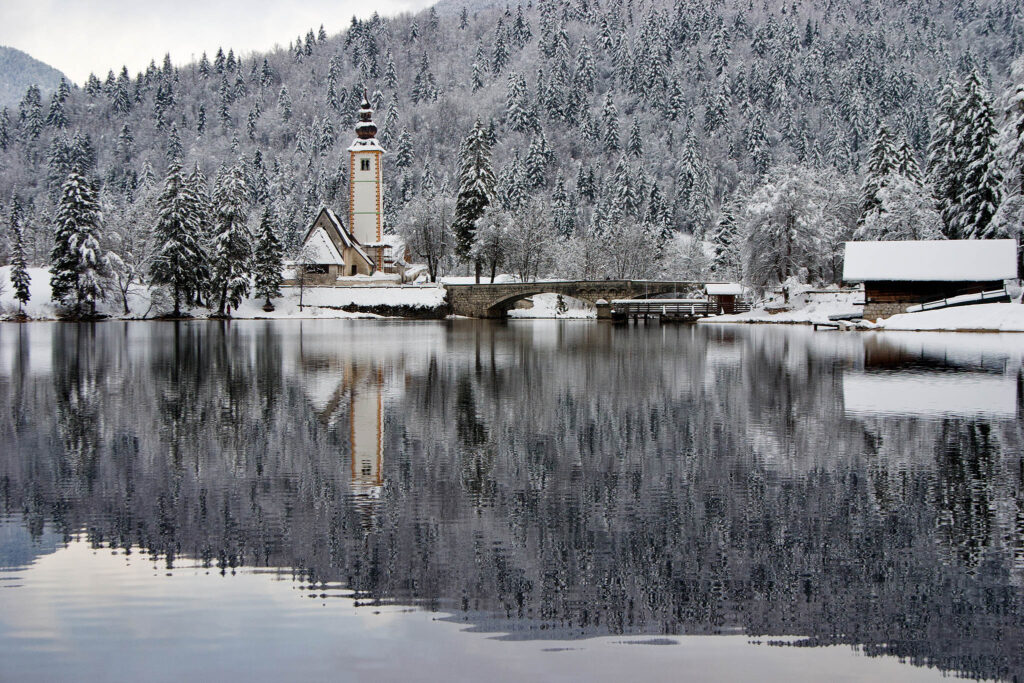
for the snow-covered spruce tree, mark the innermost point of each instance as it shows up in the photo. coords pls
(180, 262)
(976, 146)
(882, 161)
(267, 261)
(906, 163)
(476, 190)
(19, 267)
(725, 239)
(232, 247)
(78, 265)
(1010, 217)
(944, 165)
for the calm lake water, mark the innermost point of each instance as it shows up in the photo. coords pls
(357, 500)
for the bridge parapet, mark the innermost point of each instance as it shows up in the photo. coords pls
(494, 300)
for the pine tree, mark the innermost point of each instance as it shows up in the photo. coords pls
(180, 261)
(906, 164)
(5, 130)
(476, 190)
(757, 145)
(284, 103)
(944, 167)
(56, 117)
(267, 261)
(610, 119)
(517, 107)
(232, 249)
(19, 267)
(726, 240)
(983, 179)
(635, 146)
(78, 264)
(882, 161)
(403, 155)
(30, 113)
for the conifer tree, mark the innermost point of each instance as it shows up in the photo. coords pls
(78, 264)
(267, 262)
(232, 249)
(882, 160)
(906, 164)
(476, 190)
(635, 146)
(982, 181)
(757, 145)
(944, 166)
(610, 119)
(725, 239)
(19, 267)
(180, 261)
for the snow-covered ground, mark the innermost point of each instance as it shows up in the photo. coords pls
(546, 306)
(806, 305)
(988, 317)
(318, 302)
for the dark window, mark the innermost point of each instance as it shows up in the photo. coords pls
(354, 271)
(364, 164)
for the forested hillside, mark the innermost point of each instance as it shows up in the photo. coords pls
(608, 126)
(19, 70)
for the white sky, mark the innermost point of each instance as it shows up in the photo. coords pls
(82, 36)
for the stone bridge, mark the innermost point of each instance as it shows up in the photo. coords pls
(494, 301)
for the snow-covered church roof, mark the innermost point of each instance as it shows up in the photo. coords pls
(931, 260)
(321, 250)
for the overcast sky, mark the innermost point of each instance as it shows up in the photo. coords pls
(82, 36)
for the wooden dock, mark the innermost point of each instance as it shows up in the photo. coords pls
(678, 310)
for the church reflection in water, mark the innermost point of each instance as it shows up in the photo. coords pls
(347, 395)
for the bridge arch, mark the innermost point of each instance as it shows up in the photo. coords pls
(501, 307)
(494, 300)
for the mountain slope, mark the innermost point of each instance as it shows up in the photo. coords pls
(19, 70)
(644, 110)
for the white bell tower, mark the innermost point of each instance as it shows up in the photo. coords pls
(365, 186)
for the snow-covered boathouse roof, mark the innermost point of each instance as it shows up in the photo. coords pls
(931, 261)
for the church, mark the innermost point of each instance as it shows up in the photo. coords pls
(333, 252)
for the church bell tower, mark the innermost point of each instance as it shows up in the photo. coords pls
(365, 189)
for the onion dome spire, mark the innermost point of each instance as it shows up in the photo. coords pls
(366, 128)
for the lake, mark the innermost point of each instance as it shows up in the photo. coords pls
(466, 500)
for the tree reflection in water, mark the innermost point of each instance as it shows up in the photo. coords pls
(550, 480)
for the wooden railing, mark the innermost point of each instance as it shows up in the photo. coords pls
(664, 308)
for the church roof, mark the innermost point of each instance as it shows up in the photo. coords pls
(320, 249)
(330, 252)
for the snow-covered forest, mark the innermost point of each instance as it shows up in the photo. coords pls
(574, 138)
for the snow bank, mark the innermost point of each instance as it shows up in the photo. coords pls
(546, 306)
(318, 302)
(988, 317)
(806, 306)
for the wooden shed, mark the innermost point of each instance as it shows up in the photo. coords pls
(725, 294)
(900, 274)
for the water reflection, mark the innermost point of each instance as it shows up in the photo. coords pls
(551, 479)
